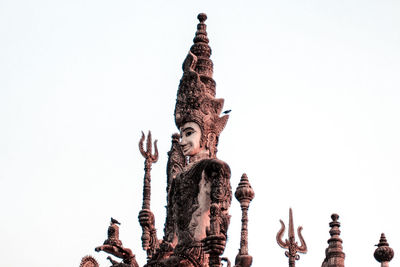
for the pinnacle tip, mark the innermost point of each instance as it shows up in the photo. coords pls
(202, 17)
(335, 217)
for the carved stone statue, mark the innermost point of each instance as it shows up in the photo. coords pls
(198, 189)
(198, 185)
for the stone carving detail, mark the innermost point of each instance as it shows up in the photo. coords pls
(146, 217)
(198, 184)
(113, 246)
(383, 254)
(334, 255)
(291, 244)
(244, 194)
(199, 192)
(175, 165)
(196, 100)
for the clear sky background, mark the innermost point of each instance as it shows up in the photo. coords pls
(314, 88)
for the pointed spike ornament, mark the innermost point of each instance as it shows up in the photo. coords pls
(383, 254)
(244, 194)
(291, 244)
(150, 158)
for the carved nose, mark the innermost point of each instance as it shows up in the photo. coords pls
(182, 142)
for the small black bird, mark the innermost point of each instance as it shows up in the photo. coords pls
(227, 111)
(115, 221)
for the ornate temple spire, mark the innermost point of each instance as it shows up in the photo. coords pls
(383, 254)
(334, 255)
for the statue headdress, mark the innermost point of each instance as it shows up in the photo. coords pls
(196, 100)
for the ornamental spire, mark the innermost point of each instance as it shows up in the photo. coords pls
(383, 254)
(334, 255)
(202, 51)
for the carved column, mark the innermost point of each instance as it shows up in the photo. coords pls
(244, 194)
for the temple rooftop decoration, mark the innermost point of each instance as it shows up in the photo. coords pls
(290, 244)
(383, 254)
(334, 255)
(244, 194)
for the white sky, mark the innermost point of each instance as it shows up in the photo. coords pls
(314, 92)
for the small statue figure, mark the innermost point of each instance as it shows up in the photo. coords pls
(113, 234)
(113, 245)
(198, 184)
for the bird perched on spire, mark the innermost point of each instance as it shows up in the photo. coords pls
(114, 221)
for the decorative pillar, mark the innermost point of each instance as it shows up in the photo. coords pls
(244, 194)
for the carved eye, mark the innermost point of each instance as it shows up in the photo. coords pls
(188, 133)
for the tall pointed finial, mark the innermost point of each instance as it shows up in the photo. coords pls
(244, 194)
(201, 34)
(201, 49)
(383, 254)
(334, 255)
(291, 244)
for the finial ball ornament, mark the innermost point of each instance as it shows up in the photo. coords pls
(244, 192)
(202, 17)
(335, 217)
(383, 252)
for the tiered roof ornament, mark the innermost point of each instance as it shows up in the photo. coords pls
(383, 254)
(334, 255)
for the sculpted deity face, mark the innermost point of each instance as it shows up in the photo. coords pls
(190, 139)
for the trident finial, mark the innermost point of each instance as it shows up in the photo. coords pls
(149, 159)
(148, 154)
(291, 244)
